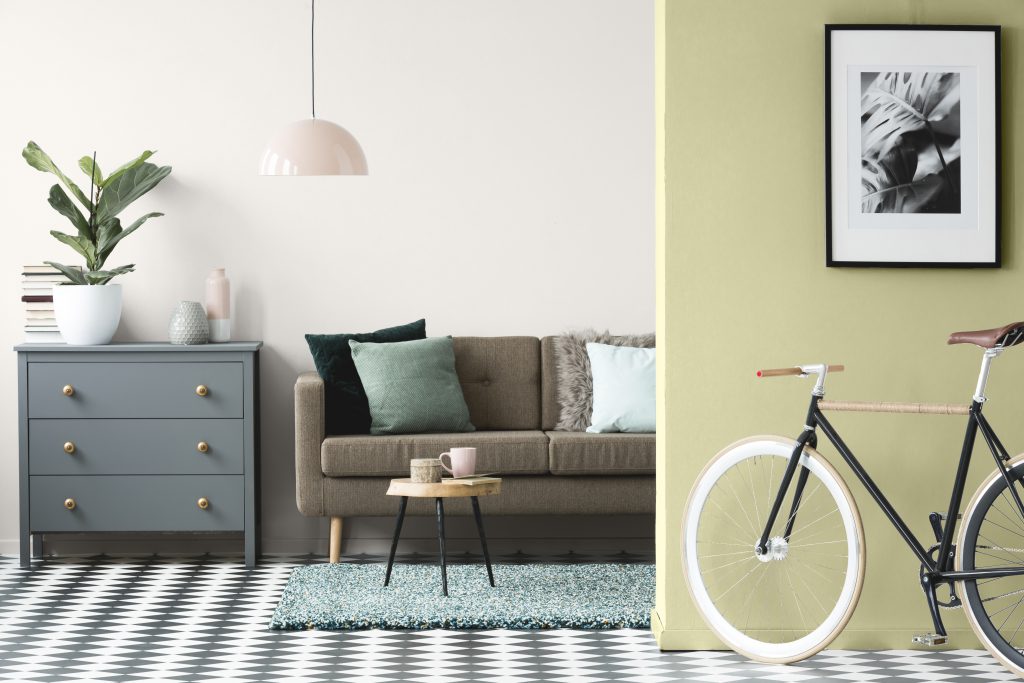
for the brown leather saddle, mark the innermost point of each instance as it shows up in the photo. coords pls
(1005, 336)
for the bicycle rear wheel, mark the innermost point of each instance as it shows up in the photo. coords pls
(992, 535)
(792, 601)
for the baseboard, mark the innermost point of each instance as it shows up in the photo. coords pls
(849, 639)
(229, 544)
(657, 627)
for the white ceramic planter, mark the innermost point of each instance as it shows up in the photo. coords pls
(87, 314)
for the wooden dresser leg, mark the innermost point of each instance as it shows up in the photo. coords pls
(335, 539)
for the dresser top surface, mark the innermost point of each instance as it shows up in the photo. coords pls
(119, 347)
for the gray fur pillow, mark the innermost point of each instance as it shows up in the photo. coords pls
(575, 382)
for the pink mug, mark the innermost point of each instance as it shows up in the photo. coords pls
(461, 461)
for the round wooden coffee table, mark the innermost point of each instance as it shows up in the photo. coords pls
(406, 489)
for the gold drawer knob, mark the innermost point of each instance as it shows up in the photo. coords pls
(203, 503)
(202, 447)
(69, 447)
(201, 390)
(70, 503)
(68, 390)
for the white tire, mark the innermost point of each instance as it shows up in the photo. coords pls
(791, 602)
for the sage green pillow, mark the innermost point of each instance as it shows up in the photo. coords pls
(411, 386)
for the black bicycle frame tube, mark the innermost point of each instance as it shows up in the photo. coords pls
(798, 495)
(1000, 455)
(873, 489)
(787, 477)
(944, 560)
(941, 568)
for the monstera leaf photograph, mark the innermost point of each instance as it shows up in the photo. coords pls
(910, 142)
(912, 146)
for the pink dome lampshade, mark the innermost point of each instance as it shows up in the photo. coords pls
(313, 147)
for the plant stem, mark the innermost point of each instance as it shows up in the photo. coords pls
(942, 159)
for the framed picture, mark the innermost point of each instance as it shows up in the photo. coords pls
(912, 163)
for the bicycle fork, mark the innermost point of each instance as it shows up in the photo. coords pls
(807, 438)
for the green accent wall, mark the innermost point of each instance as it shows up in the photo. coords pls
(743, 285)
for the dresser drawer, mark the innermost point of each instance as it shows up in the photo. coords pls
(145, 446)
(137, 503)
(135, 390)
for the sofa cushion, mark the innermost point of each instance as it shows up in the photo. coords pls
(411, 386)
(550, 411)
(624, 389)
(345, 405)
(575, 381)
(500, 378)
(579, 453)
(512, 452)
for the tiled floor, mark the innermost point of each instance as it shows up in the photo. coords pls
(204, 619)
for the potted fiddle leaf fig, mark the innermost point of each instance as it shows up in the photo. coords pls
(88, 307)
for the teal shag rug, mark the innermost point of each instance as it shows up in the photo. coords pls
(352, 597)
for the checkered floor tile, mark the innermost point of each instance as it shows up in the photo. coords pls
(205, 619)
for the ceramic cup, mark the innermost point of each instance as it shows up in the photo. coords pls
(461, 461)
(425, 470)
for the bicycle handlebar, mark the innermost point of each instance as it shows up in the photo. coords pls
(781, 372)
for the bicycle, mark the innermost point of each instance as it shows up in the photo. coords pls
(779, 589)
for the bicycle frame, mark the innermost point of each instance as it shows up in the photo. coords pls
(937, 571)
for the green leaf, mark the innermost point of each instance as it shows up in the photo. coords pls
(118, 172)
(63, 205)
(110, 234)
(72, 273)
(39, 160)
(102, 277)
(82, 245)
(107, 235)
(119, 192)
(92, 170)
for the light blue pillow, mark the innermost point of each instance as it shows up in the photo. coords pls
(624, 396)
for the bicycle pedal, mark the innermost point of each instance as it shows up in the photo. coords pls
(929, 639)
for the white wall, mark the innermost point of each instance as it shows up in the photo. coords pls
(511, 186)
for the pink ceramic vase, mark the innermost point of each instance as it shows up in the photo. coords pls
(218, 305)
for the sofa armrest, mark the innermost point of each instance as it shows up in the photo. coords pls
(309, 437)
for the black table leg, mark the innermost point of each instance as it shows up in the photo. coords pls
(483, 538)
(440, 538)
(394, 540)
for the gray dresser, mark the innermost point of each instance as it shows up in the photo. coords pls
(139, 437)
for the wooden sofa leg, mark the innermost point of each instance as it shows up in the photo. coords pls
(335, 539)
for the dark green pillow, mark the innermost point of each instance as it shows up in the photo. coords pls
(412, 387)
(345, 407)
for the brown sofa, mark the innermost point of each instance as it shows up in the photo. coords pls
(509, 386)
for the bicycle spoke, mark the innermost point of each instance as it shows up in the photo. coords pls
(994, 523)
(738, 582)
(729, 564)
(790, 593)
(1014, 520)
(1004, 595)
(796, 599)
(1000, 627)
(813, 594)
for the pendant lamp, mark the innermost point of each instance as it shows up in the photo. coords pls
(313, 146)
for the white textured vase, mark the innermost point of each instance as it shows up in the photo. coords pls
(188, 324)
(87, 314)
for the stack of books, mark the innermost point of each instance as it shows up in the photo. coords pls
(37, 283)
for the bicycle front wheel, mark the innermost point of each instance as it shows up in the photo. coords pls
(792, 601)
(992, 535)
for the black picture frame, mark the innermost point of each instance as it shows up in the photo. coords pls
(912, 224)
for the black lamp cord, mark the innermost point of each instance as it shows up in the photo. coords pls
(312, 57)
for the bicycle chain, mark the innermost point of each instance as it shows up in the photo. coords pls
(952, 589)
